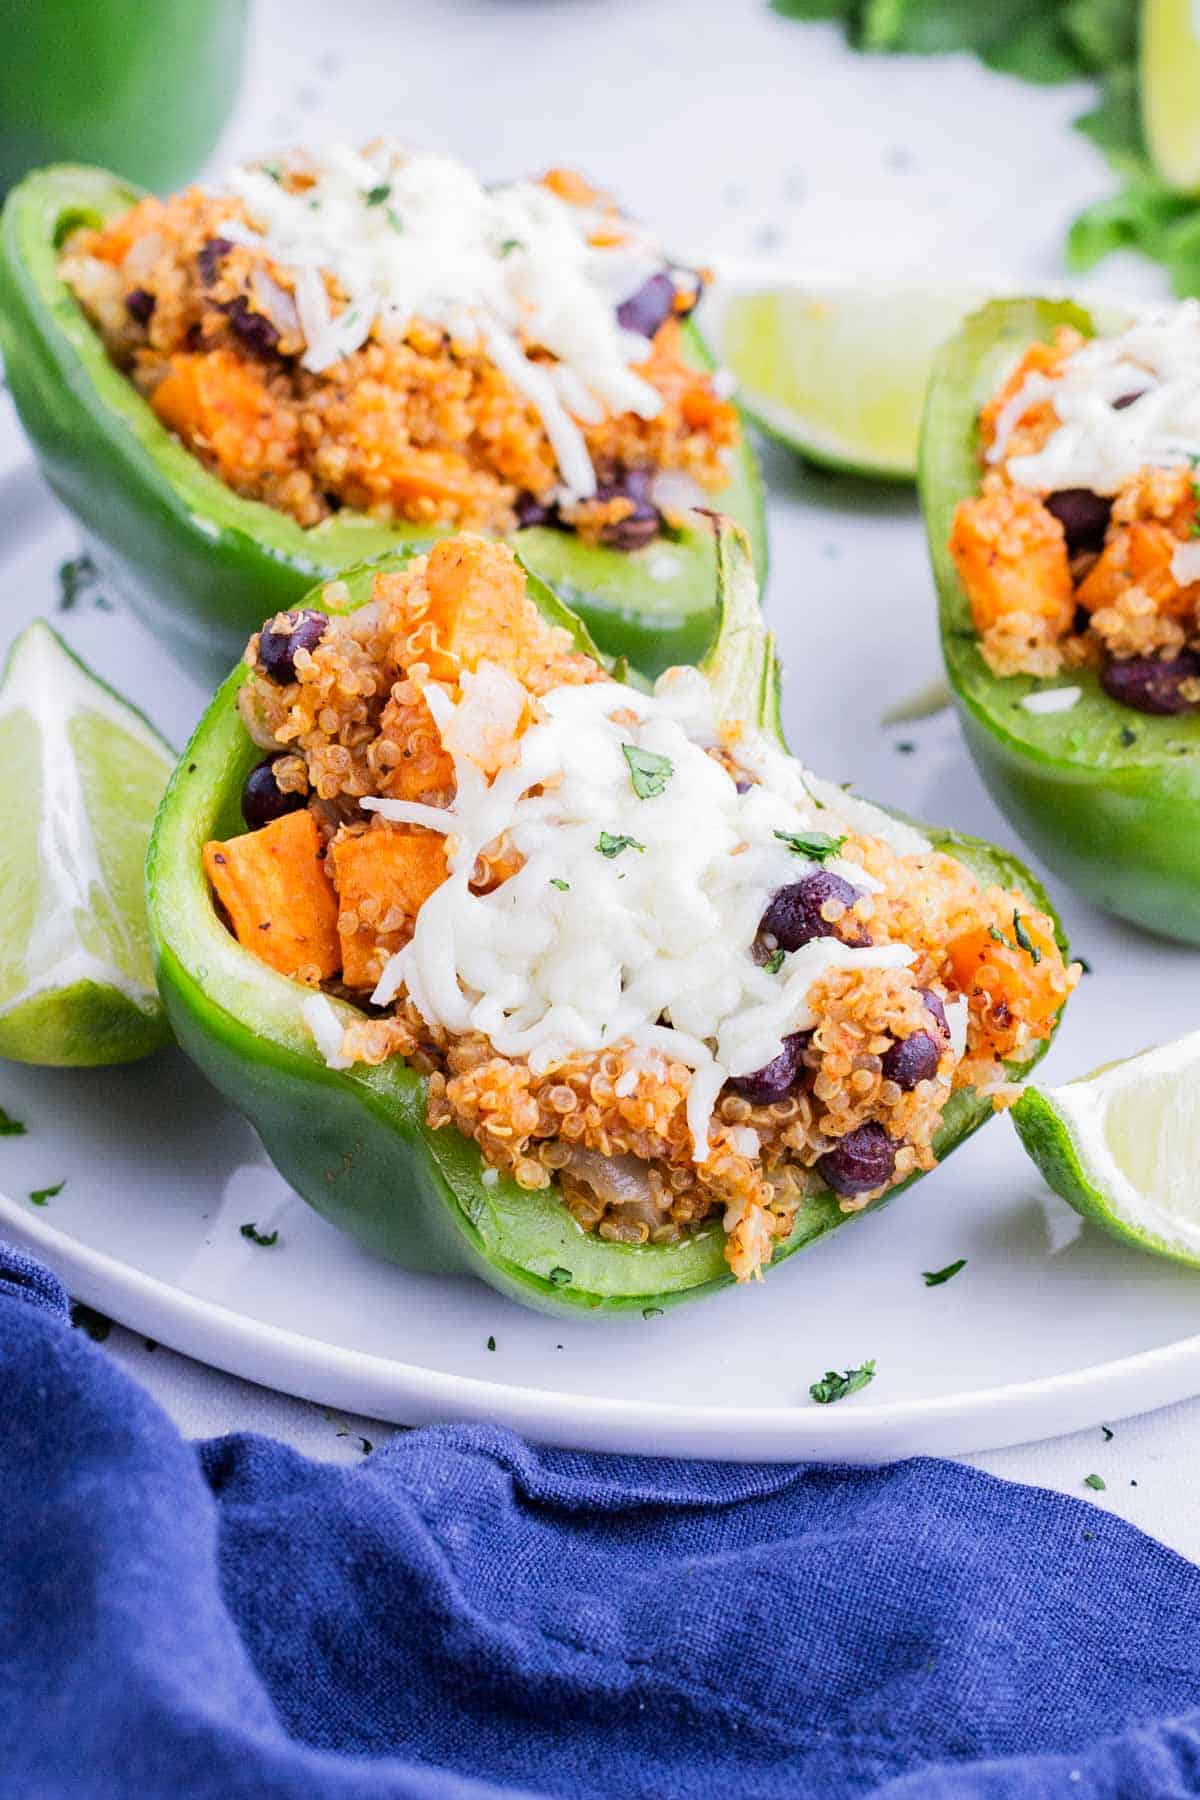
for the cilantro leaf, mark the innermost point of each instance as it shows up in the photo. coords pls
(833, 1386)
(1095, 1481)
(814, 844)
(377, 195)
(491, 1343)
(774, 962)
(556, 881)
(10, 1127)
(1024, 941)
(560, 1277)
(611, 846)
(511, 244)
(648, 771)
(39, 1196)
(254, 1236)
(935, 1277)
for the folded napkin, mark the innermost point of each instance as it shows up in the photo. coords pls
(464, 1614)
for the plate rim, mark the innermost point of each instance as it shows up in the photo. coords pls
(363, 1382)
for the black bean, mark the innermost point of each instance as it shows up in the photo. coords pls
(253, 329)
(532, 511)
(911, 1059)
(864, 1159)
(1150, 684)
(650, 307)
(794, 915)
(262, 799)
(1082, 515)
(641, 526)
(933, 1004)
(775, 1080)
(209, 256)
(139, 304)
(1127, 400)
(277, 649)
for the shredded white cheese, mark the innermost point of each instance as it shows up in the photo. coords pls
(1098, 445)
(418, 236)
(649, 944)
(1051, 700)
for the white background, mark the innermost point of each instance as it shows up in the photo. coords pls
(735, 132)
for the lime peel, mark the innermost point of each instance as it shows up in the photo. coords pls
(1122, 1146)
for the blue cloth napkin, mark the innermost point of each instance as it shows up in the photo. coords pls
(464, 1614)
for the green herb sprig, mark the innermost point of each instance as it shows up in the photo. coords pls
(833, 1386)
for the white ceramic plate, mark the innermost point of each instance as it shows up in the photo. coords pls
(1050, 1327)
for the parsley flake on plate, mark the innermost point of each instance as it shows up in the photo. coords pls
(833, 1386)
(556, 881)
(253, 1235)
(378, 195)
(611, 846)
(39, 1196)
(1095, 1481)
(10, 1127)
(935, 1277)
(816, 845)
(648, 771)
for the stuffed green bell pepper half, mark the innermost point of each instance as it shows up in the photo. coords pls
(242, 391)
(1060, 479)
(524, 969)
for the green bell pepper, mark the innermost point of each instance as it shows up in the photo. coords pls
(1108, 797)
(355, 1144)
(204, 567)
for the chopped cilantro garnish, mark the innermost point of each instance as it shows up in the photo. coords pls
(273, 169)
(815, 844)
(491, 1343)
(10, 1127)
(86, 1318)
(833, 1386)
(1095, 1481)
(558, 882)
(998, 937)
(511, 244)
(935, 1277)
(774, 962)
(254, 1236)
(377, 195)
(39, 1196)
(1128, 735)
(611, 846)
(1108, 1433)
(560, 1277)
(649, 771)
(1024, 940)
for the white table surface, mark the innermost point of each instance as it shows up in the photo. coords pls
(733, 132)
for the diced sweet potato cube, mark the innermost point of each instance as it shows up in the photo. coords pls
(1137, 555)
(1011, 556)
(220, 405)
(274, 886)
(384, 876)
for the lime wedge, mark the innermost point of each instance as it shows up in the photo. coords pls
(836, 370)
(1170, 89)
(83, 775)
(1122, 1146)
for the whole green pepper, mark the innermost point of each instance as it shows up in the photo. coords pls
(355, 1143)
(1108, 797)
(202, 566)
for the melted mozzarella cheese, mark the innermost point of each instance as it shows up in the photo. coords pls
(418, 236)
(1096, 444)
(649, 945)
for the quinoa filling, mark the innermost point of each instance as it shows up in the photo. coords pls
(638, 952)
(1082, 549)
(380, 332)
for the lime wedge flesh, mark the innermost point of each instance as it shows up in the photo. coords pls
(83, 775)
(837, 373)
(1122, 1146)
(1170, 89)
